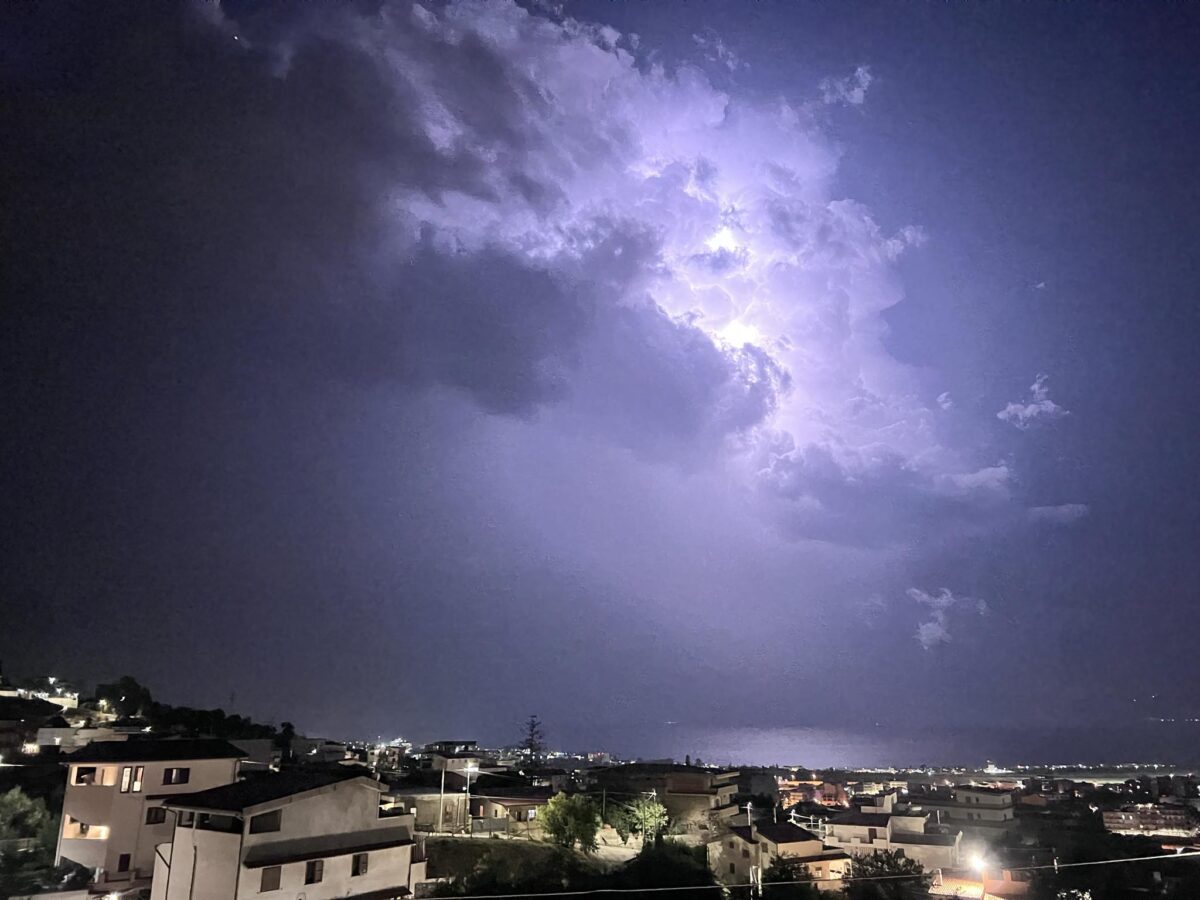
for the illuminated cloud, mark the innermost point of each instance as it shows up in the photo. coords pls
(1039, 407)
(945, 401)
(850, 90)
(716, 50)
(936, 630)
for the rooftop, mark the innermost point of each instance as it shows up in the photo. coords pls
(983, 789)
(933, 840)
(786, 833)
(242, 795)
(150, 750)
(278, 853)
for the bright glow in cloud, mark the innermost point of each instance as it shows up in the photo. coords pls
(1039, 407)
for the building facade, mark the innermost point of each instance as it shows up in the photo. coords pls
(746, 852)
(876, 825)
(113, 813)
(315, 835)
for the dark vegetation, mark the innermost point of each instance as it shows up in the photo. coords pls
(508, 867)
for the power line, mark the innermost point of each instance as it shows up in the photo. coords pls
(863, 878)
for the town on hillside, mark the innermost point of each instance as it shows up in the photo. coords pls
(113, 794)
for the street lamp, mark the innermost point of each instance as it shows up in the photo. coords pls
(979, 864)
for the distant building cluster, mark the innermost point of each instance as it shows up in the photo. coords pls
(171, 815)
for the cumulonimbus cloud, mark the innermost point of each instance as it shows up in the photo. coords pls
(518, 207)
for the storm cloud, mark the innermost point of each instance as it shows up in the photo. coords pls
(479, 318)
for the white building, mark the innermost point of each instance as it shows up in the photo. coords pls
(875, 826)
(746, 852)
(984, 814)
(112, 809)
(297, 834)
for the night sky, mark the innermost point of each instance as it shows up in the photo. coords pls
(803, 382)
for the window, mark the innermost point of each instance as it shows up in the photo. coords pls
(314, 871)
(123, 862)
(731, 847)
(85, 775)
(155, 815)
(270, 879)
(745, 853)
(732, 869)
(358, 864)
(186, 819)
(126, 779)
(176, 776)
(533, 814)
(138, 772)
(268, 821)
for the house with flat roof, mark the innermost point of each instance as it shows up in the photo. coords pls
(875, 824)
(983, 813)
(113, 813)
(742, 855)
(306, 834)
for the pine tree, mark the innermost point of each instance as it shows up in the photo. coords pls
(534, 743)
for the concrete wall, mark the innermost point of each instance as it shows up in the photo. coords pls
(203, 866)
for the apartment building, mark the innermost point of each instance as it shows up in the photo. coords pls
(304, 834)
(1153, 818)
(876, 824)
(747, 851)
(113, 813)
(984, 814)
(694, 796)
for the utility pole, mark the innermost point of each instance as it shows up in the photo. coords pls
(442, 800)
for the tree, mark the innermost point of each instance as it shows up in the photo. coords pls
(125, 696)
(666, 865)
(534, 743)
(22, 816)
(283, 740)
(644, 816)
(784, 882)
(571, 819)
(31, 869)
(886, 865)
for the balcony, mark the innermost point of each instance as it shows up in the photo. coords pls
(74, 830)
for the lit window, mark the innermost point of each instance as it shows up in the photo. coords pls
(176, 776)
(138, 772)
(126, 779)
